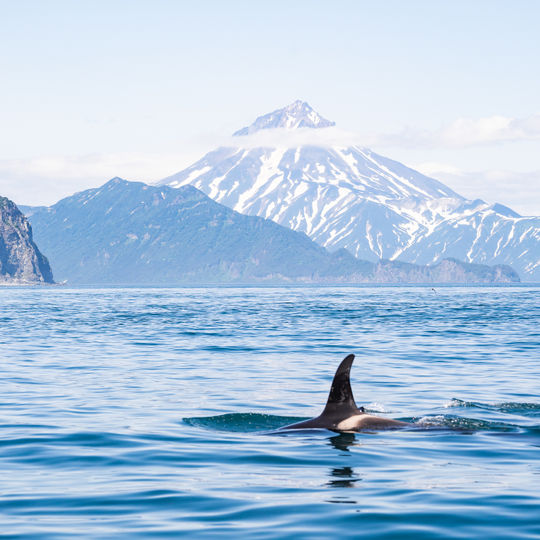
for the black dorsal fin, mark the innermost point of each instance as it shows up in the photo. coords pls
(341, 401)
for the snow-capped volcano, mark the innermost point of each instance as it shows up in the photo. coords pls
(346, 196)
(298, 114)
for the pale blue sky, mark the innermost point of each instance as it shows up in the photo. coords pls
(93, 89)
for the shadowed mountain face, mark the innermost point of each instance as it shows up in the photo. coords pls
(20, 259)
(349, 197)
(132, 233)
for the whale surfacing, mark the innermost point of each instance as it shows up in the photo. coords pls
(341, 412)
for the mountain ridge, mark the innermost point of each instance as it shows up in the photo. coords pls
(133, 233)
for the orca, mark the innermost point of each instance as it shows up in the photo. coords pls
(341, 412)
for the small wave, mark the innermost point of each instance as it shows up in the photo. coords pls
(255, 422)
(460, 423)
(524, 409)
(375, 407)
(242, 422)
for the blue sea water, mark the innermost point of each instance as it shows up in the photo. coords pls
(152, 413)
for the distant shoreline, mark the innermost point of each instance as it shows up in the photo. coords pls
(521, 285)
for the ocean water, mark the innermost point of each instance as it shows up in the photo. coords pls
(154, 413)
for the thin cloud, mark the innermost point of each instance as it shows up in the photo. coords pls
(44, 180)
(287, 138)
(467, 132)
(517, 190)
(459, 133)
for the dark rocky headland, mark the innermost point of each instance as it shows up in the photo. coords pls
(21, 262)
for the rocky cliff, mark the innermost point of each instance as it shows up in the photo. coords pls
(21, 261)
